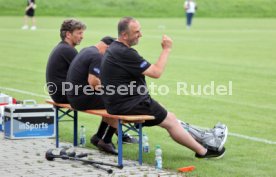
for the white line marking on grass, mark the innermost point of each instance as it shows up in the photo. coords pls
(24, 92)
(231, 134)
(236, 102)
(252, 138)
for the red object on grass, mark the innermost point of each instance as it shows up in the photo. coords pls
(186, 169)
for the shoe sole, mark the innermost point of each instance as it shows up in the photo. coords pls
(107, 152)
(130, 143)
(224, 140)
(212, 158)
(216, 158)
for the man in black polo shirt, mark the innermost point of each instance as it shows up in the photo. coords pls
(123, 67)
(71, 34)
(83, 78)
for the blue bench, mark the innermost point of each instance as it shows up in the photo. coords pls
(128, 121)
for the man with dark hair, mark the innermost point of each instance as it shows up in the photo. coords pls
(71, 34)
(123, 66)
(83, 74)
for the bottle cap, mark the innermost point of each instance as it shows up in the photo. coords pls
(157, 146)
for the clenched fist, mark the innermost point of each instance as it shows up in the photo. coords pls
(166, 42)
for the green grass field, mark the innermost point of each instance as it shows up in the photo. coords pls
(219, 50)
(142, 8)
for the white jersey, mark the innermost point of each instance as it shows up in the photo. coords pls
(190, 6)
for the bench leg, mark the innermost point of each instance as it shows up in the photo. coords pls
(140, 144)
(120, 143)
(139, 131)
(57, 132)
(75, 128)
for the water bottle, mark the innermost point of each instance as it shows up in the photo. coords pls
(158, 158)
(145, 141)
(82, 137)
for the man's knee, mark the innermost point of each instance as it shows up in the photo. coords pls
(112, 122)
(171, 116)
(169, 121)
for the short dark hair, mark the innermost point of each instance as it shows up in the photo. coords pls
(108, 40)
(123, 24)
(70, 25)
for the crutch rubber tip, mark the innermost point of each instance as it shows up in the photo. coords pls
(109, 171)
(49, 155)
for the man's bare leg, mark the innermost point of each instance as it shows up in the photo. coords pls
(178, 134)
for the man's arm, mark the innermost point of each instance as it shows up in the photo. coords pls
(156, 70)
(94, 81)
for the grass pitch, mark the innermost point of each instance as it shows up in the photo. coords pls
(219, 50)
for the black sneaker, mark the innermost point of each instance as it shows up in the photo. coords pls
(94, 140)
(211, 154)
(128, 139)
(107, 147)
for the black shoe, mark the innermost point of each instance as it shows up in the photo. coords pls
(107, 147)
(212, 154)
(94, 140)
(128, 139)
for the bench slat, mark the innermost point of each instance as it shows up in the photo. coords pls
(103, 112)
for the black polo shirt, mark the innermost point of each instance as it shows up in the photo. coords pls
(57, 68)
(88, 61)
(122, 66)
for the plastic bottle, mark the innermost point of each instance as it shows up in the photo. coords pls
(158, 157)
(145, 141)
(82, 137)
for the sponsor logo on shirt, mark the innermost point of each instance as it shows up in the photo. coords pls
(143, 64)
(96, 70)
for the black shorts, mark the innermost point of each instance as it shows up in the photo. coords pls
(59, 98)
(30, 12)
(86, 102)
(149, 107)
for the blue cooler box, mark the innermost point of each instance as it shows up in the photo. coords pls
(29, 120)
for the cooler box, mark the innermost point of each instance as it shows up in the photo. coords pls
(4, 100)
(29, 120)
